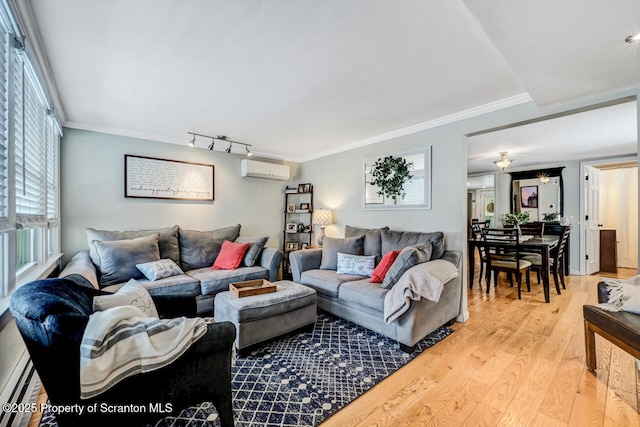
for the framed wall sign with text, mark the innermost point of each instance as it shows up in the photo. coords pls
(152, 178)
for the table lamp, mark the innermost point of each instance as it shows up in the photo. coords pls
(321, 217)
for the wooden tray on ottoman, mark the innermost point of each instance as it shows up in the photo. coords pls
(252, 287)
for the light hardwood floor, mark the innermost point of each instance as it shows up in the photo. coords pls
(513, 363)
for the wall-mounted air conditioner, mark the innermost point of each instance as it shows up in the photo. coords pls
(267, 170)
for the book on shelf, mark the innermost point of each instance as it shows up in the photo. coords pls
(290, 190)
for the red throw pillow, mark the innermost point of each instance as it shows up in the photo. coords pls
(385, 264)
(230, 256)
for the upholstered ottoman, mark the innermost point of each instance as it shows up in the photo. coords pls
(260, 317)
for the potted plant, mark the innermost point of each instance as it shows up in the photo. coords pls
(515, 219)
(551, 216)
(390, 174)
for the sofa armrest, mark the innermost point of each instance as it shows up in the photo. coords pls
(80, 269)
(454, 257)
(271, 259)
(301, 261)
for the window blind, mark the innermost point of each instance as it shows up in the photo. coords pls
(53, 144)
(4, 118)
(30, 146)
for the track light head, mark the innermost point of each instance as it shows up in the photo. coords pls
(211, 145)
(192, 143)
(228, 150)
(249, 153)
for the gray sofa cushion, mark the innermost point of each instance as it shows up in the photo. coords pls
(372, 239)
(256, 244)
(398, 240)
(180, 285)
(364, 294)
(118, 258)
(326, 282)
(167, 242)
(214, 281)
(407, 258)
(331, 246)
(200, 248)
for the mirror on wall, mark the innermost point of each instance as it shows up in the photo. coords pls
(539, 192)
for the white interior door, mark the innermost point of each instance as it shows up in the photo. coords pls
(592, 219)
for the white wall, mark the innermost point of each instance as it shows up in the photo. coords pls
(92, 192)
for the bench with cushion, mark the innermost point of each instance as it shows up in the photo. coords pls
(620, 328)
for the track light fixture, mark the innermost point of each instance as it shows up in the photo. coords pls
(192, 142)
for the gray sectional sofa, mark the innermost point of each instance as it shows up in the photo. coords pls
(354, 298)
(111, 259)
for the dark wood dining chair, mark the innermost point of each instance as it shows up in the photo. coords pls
(535, 229)
(477, 232)
(502, 248)
(556, 259)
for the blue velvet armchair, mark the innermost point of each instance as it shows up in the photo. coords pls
(52, 314)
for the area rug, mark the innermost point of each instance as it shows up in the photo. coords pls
(303, 378)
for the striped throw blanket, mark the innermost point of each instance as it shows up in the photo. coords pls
(122, 341)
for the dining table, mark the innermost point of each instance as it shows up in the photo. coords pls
(539, 244)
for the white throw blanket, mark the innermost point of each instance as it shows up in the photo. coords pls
(122, 341)
(624, 295)
(424, 280)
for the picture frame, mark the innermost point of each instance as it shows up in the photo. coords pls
(305, 188)
(304, 245)
(293, 246)
(292, 227)
(155, 178)
(304, 206)
(529, 196)
(291, 208)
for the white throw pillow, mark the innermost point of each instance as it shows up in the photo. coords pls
(156, 270)
(133, 293)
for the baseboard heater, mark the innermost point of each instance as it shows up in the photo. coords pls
(23, 387)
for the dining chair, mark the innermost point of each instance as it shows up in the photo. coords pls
(555, 259)
(477, 231)
(502, 248)
(535, 229)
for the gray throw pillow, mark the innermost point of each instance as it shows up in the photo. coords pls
(256, 244)
(398, 240)
(372, 239)
(167, 243)
(201, 248)
(407, 258)
(331, 246)
(118, 258)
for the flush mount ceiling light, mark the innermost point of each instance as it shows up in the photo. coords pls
(633, 38)
(192, 142)
(503, 161)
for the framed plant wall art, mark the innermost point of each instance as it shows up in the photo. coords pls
(398, 181)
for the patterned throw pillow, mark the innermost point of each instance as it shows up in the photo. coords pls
(133, 293)
(360, 265)
(156, 270)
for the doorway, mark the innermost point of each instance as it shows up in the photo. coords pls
(611, 216)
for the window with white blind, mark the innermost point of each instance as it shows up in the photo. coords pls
(29, 165)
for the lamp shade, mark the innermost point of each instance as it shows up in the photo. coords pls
(322, 216)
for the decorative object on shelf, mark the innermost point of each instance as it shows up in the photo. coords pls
(504, 160)
(515, 219)
(223, 138)
(153, 178)
(292, 227)
(550, 216)
(291, 208)
(293, 246)
(304, 206)
(390, 174)
(290, 190)
(322, 217)
(305, 188)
